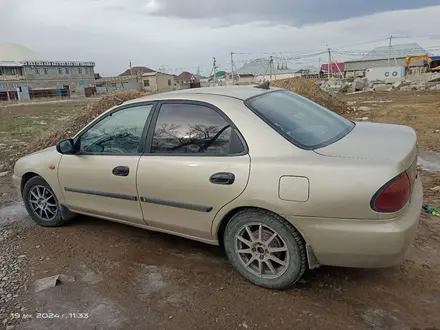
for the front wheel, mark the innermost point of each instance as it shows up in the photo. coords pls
(42, 205)
(265, 249)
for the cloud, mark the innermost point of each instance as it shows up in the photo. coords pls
(110, 32)
(291, 12)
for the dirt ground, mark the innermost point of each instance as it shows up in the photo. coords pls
(127, 278)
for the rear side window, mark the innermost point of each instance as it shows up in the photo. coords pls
(193, 129)
(305, 123)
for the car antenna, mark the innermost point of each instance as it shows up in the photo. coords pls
(264, 85)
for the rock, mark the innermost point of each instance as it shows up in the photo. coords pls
(2, 167)
(359, 84)
(51, 281)
(10, 327)
(3, 173)
(364, 108)
(4, 194)
(437, 188)
(397, 85)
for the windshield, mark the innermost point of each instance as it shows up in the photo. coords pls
(305, 123)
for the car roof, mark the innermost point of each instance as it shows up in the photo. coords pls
(237, 92)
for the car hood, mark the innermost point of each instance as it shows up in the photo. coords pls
(381, 142)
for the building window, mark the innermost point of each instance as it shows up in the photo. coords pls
(60, 70)
(86, 70)
(146, 83)
(37, 71)
(169, 82)
(80, 70)
(46, 71)
(13, 71)
(66, 70)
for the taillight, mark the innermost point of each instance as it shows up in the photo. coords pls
(393, 195)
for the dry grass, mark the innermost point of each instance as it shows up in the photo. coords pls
(66, 128)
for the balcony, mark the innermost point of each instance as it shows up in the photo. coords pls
(11, 77)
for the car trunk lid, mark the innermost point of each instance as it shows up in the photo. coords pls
(381, 142)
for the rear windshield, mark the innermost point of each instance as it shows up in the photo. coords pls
(305, 123)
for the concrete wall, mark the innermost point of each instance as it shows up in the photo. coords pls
(164, 82)
(363, 65)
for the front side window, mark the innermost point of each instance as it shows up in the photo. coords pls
(190, 128)
(119, 133)
(305, 123)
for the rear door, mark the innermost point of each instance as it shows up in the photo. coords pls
(100, 179)
(196, 163)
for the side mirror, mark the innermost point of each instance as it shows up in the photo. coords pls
(66, 147)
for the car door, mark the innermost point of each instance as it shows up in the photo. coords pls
(100, 178)
(195, 163)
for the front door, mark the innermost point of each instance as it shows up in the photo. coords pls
(100, 179)
(197, 164)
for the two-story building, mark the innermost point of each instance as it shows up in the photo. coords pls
(26, 75)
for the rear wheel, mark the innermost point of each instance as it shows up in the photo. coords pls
(42, 204)
(265, 249)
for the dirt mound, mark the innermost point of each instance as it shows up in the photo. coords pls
(310, 90)
(76, 122)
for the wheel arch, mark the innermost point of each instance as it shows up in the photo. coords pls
(311, 258)
(26, 177)
(228, 216)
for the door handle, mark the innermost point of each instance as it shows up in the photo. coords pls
(121, 171)
(222, 178)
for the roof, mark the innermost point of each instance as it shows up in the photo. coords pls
(260, 66)
(397, 51)
(239, 92)
(136, 70)
(151, 74)
(336, 67)
(16, 52)
(308, 69)
(10, 64)
(185, 76)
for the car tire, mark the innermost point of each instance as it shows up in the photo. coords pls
(49, 213)
(277, 243)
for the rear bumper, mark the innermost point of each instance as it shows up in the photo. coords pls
(363, 243)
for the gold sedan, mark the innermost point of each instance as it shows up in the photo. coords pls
(280, 182)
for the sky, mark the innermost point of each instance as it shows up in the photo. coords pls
(181, 35)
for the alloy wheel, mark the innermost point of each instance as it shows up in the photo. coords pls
(43, 202)
(262, 250)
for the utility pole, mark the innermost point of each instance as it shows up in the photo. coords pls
(329, 73)
(131, 68)
(270, 67)
(214, 68)
(232, 67)
(389, 52)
